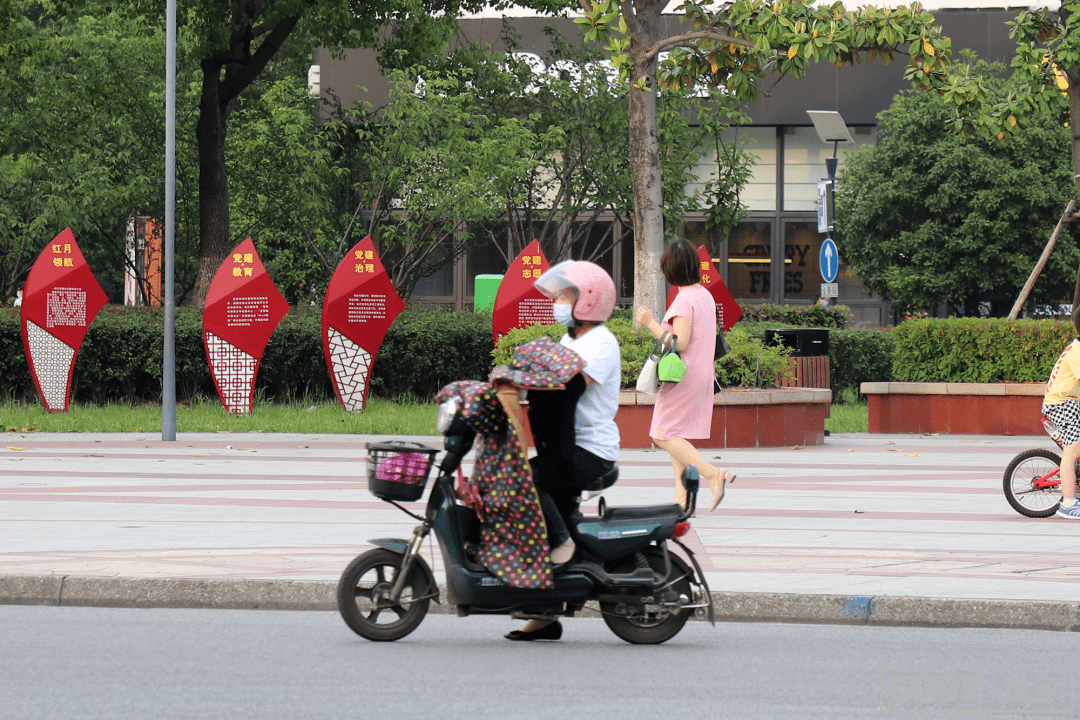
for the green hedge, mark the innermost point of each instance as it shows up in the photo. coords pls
(750, 362)
(426, 349)
(855, 355)
(858, 356)
(423, 350)
(978, 350)
(826, 316)
(120, 359)
(634, 344)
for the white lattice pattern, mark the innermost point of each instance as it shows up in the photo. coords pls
(350, 363)
(52, 359)
(234, 371)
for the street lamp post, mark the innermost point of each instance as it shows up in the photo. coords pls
(830, 128)
(168, 360)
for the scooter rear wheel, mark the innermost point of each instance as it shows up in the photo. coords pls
(649, 624)
(362, 597)
(1020, 476)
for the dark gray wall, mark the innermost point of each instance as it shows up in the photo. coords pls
(858, 92)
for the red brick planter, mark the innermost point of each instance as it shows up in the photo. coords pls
(741, 418)
(955, 408)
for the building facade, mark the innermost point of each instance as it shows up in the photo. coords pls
(772, 256)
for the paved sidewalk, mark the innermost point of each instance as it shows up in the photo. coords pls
(861, 517)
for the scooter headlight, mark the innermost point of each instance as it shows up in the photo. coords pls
(447, 411)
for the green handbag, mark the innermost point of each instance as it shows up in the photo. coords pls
(671, 367)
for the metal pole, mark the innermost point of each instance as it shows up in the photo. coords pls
(168, 359)
(1023, 296)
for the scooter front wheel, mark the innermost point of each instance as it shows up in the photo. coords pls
(363, 597)
(1024, 479)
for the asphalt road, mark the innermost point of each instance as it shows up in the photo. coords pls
(64, 662)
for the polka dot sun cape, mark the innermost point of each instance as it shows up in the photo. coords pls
(513, 536)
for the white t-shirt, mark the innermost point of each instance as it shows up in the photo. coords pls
(594, 419)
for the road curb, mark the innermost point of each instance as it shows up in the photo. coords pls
(729, 606)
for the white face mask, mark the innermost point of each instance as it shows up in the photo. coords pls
(564, 313)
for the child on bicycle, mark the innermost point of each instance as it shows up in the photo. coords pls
(1061, 405)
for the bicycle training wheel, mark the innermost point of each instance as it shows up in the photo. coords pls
(1020, 479)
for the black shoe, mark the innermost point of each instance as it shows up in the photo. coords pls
(548, 632)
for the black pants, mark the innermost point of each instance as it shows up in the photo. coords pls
(559, 496)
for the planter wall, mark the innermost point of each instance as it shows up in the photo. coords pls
(955, 408)
(741, 418)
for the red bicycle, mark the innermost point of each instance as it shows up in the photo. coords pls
(1032, 480)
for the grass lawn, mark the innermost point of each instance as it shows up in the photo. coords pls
(848, 418)
(382, 417)
(205, 415)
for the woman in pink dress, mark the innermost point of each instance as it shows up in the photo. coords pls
(683, 410)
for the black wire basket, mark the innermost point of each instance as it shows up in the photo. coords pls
(399, 471)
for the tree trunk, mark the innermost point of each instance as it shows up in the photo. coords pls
(219, 97)
(215, 242)
(1074, 131)
(645, 163)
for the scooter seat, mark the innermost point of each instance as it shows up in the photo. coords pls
(644, 512)
(600, 484)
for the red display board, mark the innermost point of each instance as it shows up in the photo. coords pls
(360, 306)
(728, 311)
(243, 307)
(60, 300)
(518, 303)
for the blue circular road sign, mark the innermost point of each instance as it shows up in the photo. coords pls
(829, 260)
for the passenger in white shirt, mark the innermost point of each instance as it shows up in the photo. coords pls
(584, 298)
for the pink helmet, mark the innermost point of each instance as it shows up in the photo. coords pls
(595, 290)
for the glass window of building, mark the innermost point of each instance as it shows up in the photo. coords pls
(759, 193)
(750, 261)
(697, 235)
(439, 286)
(624, 278)
(802, 250)
(804, 163)
(595, 242)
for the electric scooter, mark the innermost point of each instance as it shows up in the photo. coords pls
(624, 565)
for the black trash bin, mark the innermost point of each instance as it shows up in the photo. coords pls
(804, 342)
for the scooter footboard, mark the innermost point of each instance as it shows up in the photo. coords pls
(482, 590)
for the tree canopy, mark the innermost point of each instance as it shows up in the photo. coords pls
(79, 134)
(734, 46)
(234, 42)
(927, 216)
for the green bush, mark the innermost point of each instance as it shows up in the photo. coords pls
(978, 349)
(858, 356)
(634, 344)
(293, 365)
(426, 349)
(752, 363)
(826, 316)
(120, 358)
(855, 355)
(15, 380)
